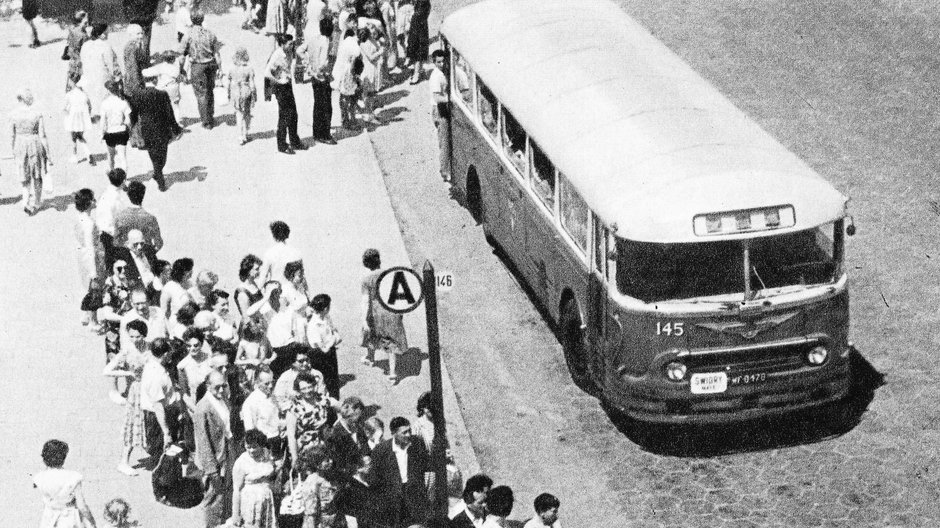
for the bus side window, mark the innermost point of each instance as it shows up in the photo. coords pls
(514, 139)
(489, 107)
(575, 215)
(463, 77)
(600, 249)
(611, 257)
(543, 176)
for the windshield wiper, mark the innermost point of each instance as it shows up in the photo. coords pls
(763, 286)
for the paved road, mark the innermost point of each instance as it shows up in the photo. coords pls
(848, 88)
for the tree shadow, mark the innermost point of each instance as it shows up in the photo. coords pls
(267, 134)
(388, 115)
(341, 133)
(788, 430)
(59, 203)
(386, 98)
(12, 199)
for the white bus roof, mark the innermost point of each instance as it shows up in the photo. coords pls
(645, 139)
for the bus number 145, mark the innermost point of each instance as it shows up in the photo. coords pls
(670, 329)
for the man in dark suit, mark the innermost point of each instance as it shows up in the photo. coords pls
(214, 449)
(346, 439)
(472, 507)
(136, 60)
(399, 467)
(158, 127)
(140, 258)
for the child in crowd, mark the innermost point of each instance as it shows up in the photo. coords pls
(253, 349)
(78, 118)
(546, 512)
(117, 514)
(243, 92)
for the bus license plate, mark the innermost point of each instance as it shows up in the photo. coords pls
(709, 383)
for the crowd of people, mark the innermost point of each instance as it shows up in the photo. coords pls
(240, 390)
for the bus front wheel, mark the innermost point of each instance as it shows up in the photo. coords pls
(574, 344)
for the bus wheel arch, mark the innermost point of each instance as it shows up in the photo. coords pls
(474, 195)
(571, 330)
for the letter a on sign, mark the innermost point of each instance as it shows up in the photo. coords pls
(399, 289)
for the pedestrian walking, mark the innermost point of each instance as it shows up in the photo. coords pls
(117, 513)
(64, 503)
(129, 364)
(243, 92)
(78, 35)
(373, 46)
(136, 60)
(90, 257)
(202, 47)
(439, 85)
(276, 258)
(142, 13)
(389, 18)
(279, 74)
(158, 127)
(277, 18)
(404, 11)
(166, 69)
(30, 149)
(30, 10)
(346, 71)
(116, 124)
(316, 54)
(78, 119)
(99, 65)
(381, 328)
(419, 38)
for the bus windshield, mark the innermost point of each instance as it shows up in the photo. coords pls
(662, 272)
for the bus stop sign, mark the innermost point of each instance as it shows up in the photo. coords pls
(399, 289)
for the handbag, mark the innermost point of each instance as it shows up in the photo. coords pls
(293, 501)
(170, 486)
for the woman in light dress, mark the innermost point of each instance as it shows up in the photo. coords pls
(345, 79)
(90, 253)
(30, 150)
(64, 504)
(252, 481)
(78, 119)
(242, 91)
(129, 364)
(174, 294)
(381, 329)
(99, 65)
(373, 46)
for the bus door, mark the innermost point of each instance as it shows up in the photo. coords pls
(604, 328)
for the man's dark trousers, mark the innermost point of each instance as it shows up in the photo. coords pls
(322, 109)
(202, 77)
(286, 116)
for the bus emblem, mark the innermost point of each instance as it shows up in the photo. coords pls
(748, 329)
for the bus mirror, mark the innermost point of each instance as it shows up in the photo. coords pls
(850, 229)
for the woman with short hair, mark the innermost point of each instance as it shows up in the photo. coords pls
(175, 294)
(30, 149)
(253, 476)
(64, 503)
(309, 416)
(247, 293)
(381, 328)
(99, 65)
(129, 364)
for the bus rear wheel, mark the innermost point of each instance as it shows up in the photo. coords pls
(574, 344)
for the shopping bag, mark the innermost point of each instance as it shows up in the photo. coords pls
(293, 501)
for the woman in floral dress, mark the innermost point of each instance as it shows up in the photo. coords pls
(242, 91)
(30, 149)
(252, 480)
(129, 364)
(309, 415)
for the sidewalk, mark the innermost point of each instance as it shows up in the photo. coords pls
(217, 209)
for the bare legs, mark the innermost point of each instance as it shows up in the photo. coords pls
(243, 120)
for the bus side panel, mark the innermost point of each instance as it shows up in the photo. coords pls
(465, 147)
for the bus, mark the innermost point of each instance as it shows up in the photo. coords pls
(692, 265)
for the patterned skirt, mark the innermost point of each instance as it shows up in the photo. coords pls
(30, 157)
(133, 432)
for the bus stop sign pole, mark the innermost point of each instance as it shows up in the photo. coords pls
(438, 448)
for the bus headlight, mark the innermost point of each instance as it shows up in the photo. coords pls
(817, 356)
(675, 371)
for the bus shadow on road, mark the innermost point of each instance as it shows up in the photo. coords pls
(798, 428)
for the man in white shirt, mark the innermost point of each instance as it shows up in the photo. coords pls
(110, 203)
(471, 510)
(215, 449)
(158, 400)
(278, 255)
(142, 311)
(546, 512)
(323, 338)
(260, 411)
(317, 52)
(440, 108)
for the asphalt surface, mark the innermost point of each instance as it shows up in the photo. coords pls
(848, 87)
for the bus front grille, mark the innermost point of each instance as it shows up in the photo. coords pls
(774, 357)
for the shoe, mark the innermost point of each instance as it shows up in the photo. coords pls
(208, 126)
(243, 141)
(286, 150)
(366, 361)
(35, 44)
(127, 470)
(393, 380)
(326, 140)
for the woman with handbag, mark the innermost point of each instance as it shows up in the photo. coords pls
(320, 489)
(252, 480)
(30, 150)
